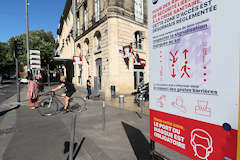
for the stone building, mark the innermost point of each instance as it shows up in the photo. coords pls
(106, 30)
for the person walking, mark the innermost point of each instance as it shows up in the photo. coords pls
(39, 79)
(89, 85)
(32, 92)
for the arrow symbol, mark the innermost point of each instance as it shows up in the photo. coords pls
(185, 53)
(173, 75)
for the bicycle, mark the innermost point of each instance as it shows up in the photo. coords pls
(52, 104)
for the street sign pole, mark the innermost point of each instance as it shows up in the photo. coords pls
(17, 79)
(17, 51)
(27, 34)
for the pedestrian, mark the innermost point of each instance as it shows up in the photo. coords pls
(39, 79)
(89, 85)
(32, 93)
(69, 90)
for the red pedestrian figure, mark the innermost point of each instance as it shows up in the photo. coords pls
(174, 60)
(185, 68)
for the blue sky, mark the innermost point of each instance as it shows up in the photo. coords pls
(43, 14)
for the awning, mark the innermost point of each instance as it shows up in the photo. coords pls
(140, 61)
(59, 60)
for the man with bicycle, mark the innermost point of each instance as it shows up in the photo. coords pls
(69, 90)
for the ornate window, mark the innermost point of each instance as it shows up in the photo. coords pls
(78, 24)
(138, 7)
(87, 46)
(79, 49)
(97, 10)
(85, 16)
(98, 40)
(139, 36)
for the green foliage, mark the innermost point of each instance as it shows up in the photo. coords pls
(38, 40)
(6, 57)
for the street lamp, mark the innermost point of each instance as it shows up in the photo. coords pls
(27, 34)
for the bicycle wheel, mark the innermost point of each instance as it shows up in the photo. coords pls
(78, 104)
(48, 107)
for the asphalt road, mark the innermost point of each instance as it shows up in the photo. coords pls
(8, 89)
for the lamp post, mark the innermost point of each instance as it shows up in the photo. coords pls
(27, 34)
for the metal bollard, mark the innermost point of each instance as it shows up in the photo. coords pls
(121, 99)
(72, 136)
(142, 106)
(103, 115)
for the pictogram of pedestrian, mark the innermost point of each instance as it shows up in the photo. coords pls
(174, 57)
(184, 69)
(174, 60)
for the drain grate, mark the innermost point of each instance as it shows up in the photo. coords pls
(7, 131)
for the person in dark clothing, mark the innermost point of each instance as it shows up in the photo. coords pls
(69, 90)
(89, 85)
(39, 79)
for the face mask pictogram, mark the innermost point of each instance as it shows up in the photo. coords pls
(201, 142)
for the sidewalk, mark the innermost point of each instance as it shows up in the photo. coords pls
(28, 136)
(114, 102)
(33, 137)
(126, 136)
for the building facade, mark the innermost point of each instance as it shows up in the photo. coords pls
(111, 39)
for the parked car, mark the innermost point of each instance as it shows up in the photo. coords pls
(23, 80)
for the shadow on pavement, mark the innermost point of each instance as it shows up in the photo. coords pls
(138, 142)
(76, 148)
(9, 110)
(8, 82)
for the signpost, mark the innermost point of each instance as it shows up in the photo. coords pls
(18, 47)
(35, 60)
(194, 77)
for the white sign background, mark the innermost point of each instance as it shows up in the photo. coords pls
(223, 73)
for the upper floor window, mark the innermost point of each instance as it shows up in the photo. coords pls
(138, 7)
(79, 49)
(98, 40)
(139, 36)
(85, 16)
(78, 24)
(97, 10)
(87, 46)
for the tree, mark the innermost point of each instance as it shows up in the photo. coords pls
(6, 58)
(38, 40)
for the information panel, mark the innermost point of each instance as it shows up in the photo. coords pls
(35, 59)
(194, 76)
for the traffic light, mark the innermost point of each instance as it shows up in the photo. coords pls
(18, 47)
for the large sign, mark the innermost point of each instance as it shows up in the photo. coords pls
(35, 60)
(194, 77)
